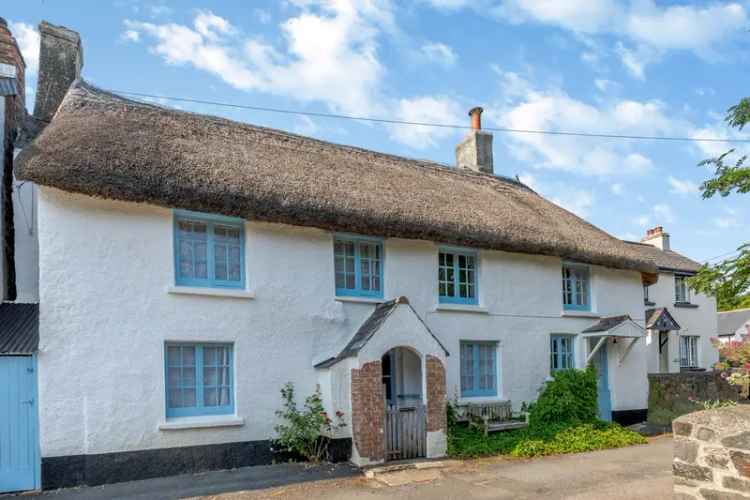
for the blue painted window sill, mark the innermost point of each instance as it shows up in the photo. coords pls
(211, 292)
(462, 308)
(686, 305)
(202, 422)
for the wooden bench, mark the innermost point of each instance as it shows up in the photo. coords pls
(492, 417)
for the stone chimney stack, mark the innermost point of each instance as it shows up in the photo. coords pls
(657, 237)
(475, 151)
(60, 63)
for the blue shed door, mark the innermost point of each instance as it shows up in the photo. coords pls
(19, 437)
(605, 398)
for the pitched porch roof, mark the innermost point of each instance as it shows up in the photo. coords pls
(371, 326)
(19, 328)
(615, 326)
(660, 319)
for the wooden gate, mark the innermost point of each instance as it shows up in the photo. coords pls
(405, 432)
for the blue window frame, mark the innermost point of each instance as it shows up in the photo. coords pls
(358, 265)
(576, 287)
(562, 354)
(209, 250)
(478, 368)
(199, 379)
(457, 277)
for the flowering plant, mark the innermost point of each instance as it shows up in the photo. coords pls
(306, 431)
(734, 363)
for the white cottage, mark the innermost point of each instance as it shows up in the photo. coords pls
(190, 266)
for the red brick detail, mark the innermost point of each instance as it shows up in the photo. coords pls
(11, 54)
(368, 411)
(436, 401)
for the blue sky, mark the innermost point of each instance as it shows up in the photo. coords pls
(604, 66)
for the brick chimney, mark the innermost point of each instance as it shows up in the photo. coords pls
(475, 151)
(657, 237)
(60, 63)
(12, 66)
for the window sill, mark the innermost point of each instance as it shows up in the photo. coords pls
(205, 422)
(362, 300)
(211, 292)
(686, 305)
(649, 303)
(580, 314)
(461, 308)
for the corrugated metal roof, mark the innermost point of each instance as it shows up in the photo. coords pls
(8, 86)
(19, 328)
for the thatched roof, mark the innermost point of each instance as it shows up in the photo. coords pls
(666, 260)
(102, 145)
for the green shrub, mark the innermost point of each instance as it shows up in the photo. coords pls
(579, 438)
(305, 431)
(465, 442)
(570, 398)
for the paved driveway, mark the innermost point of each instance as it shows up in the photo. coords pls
(630, 473)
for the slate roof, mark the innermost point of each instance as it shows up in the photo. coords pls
(665, 260)
(731, 321)
(661, 319)
(606, 324)
(19, 328)
(370, 326)
(103, 145)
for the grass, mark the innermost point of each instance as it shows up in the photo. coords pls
(466, 442)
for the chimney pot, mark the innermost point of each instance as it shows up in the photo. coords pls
(657, 237)
(476, 118)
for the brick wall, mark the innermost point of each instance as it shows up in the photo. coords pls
(712, 454)
(436, 401)
(368, 411)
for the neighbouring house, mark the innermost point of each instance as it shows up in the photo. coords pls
(679, 321)
(190, 266)
(19, 441)
(733, 325)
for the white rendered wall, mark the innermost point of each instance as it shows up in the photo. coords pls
(701, 321)
(105, 314)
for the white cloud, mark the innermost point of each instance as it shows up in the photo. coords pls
(425, 109)
(448, 4)
(263, 16)
(643, 220)
(530, 180)
(524, 107)
(439, 53)
(617, 189)
(718, 130)
(682, 186)
(604, 85)
(329, 52)
(306, 126)
(728, 220)
(651, 28)
(131, 36)
(663, 213)
(28, 41)
(578, 201)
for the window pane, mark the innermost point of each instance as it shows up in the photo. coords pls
(174, 398)
(188, 355)
(467, 367)
(210, 397)
(340, 280)
(188, 398)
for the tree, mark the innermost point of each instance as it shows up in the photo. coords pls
(728, 280)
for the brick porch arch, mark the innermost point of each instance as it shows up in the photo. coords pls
(368, 409)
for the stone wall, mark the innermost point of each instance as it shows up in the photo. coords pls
(712, 454)
(670, 394)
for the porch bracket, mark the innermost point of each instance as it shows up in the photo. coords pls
(595, 349)
(627, 351)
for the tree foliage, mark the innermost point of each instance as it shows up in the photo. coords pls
(728, 280)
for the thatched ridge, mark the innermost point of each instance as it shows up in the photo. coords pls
(103, 145)
(665, 260)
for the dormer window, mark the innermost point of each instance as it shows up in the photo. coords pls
(576, 287)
